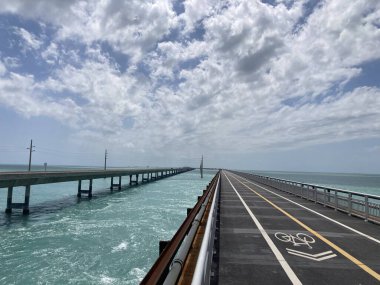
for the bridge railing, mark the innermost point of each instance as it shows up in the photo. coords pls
(358, 204)
(169, 266)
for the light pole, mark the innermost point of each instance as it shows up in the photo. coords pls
(201, 167)
(105, 159)
(31, 149)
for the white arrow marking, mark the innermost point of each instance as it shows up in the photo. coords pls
(308, 254)
(312, 256)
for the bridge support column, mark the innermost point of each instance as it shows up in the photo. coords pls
(25, 209)
(118, 185)
(8, 210)
(24, 206)
(80, 191)
(133, 182)
(143, 178)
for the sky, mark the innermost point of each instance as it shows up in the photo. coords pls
(266, 85)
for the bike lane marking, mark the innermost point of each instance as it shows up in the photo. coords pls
(314, 212)
(280, 258)
(315, 233)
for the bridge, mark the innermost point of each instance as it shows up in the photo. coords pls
(252, 229)
(27, 179)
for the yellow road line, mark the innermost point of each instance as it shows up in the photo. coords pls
(333, 245)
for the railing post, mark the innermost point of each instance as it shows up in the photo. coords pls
(324, 197)
(366, 208)
(336, 200)
(349, 204)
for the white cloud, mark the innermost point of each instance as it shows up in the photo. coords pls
(254, 80)
(51, 53)
(19, 92)
(12, 62)
(3, 69)
(29, 39)
(132, 27)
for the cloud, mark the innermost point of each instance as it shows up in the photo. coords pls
(259, 76)
(3, 69)
(51, 53)
(19, 92)
(29, 39)
(12, 62)
(132, 27)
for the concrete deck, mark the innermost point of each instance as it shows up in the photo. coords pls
(13, 179)
(269, 237)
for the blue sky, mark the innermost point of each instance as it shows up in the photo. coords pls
(269, 85)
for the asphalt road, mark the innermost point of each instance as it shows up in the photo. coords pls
(268, 237)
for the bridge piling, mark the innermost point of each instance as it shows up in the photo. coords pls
(143, 178)
(8, 210)
(24, 206)
(88, 192)
(118, 185)
(25, 209)
(79, 194)
(133, 182)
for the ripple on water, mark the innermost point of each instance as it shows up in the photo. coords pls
(121, 247)
(136, 275)
(107, 280)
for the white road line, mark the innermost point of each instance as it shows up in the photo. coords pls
(284, 264)
(315, 212)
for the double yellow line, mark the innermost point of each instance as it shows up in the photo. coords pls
(318, 235)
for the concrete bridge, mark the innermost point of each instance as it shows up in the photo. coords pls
(27, 179)
(252, 229)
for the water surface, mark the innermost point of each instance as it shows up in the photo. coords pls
(110, 239)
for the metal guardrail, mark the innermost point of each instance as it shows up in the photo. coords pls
(169, 264)
(358, 204)
(203, 267)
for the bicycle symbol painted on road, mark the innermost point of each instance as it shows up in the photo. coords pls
(297, 239)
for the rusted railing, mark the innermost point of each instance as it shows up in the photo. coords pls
(180, 241)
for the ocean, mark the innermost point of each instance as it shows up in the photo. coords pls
(112, 238)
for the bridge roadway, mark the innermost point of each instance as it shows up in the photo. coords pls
(27, 179)
(267, 236)
(14, 179)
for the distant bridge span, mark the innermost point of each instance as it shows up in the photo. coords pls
(27, 179)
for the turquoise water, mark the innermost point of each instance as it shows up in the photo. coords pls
(110, 239)
(364, 183)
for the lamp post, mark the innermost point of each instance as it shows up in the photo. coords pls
(105, 159)
(31, 149)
